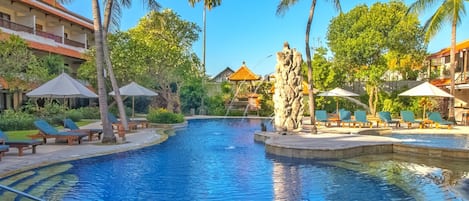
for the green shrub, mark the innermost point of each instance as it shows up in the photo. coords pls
(115, 110)
(163, 116)
(75, 115)
(11, 120)
(89, 112)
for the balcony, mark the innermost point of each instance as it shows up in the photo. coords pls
(18, 27)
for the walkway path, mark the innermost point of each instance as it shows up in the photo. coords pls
(52, 152)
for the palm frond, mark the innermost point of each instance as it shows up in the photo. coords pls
(337, 5)
(207, 3)
(420, 5)
(284, 5)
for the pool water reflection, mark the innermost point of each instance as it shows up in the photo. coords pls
(217, 159)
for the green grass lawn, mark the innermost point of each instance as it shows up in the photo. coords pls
(23, 134)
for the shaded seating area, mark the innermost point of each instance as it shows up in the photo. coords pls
(48, 131)
(321, 116)
(116, 124)
(3, 149)
(361, 120)
(21, 145)
(70, 124)
(436, 118)
(409, 118)
(386, 119)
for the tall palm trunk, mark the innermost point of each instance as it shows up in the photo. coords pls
(108, 134)
(314, 130)
(107, 59)
(452, 68)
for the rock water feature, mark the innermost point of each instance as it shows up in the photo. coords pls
(288, 97)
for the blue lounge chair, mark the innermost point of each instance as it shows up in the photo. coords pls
(20, 144)
(386, 118)
(438, 120)
(409, 118)
(116, 124)
(3, 149)
(48, 131)
(360, 118)
(321, 116)
(70, 124)
(345, 116)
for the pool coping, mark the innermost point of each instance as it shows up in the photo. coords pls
(337, 146)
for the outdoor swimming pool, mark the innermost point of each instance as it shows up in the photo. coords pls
(217, 159)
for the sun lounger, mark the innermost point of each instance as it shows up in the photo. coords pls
(48, 131)
(3, 149)
(360, 118)
(321, 116)
(70, 124)
(409, 118)
(386, 118)
(345, 116)
(438, 120)
(116, 124)
(21, 145)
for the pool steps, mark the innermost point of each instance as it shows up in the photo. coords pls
(38, 182)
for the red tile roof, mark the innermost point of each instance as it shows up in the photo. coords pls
(441, 82)
(445, 51)
(243, 74)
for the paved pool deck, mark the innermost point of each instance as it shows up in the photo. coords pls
(58, 152)
(329, 138)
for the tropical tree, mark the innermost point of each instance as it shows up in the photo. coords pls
(112, 14)
(449, 11)
(281, 9)
(19, 66)
(208, 4)
(108, 134)
(158, 50)
(361, 39)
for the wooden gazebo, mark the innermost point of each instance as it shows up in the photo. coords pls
(249, 99)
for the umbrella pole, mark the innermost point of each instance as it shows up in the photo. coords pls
(423, 117)
(133, 106)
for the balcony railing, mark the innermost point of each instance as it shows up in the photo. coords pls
(73, 43)
(49, 36)
(19, 27)
(15, 27)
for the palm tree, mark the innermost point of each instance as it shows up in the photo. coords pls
(102, 57)
(108, 134)
(207, 4)
(112, 13)
(281, 9)
(449, 11)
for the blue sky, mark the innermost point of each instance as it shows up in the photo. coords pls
(249, 30)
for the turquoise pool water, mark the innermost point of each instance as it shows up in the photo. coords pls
(217, 159)
(435, 140)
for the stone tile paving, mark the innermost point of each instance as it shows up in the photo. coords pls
(52, 152)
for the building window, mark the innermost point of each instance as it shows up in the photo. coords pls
(66, 35)
(39, 27)
(4, 16)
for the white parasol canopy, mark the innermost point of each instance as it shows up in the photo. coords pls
(337, 92)
(427, 90)
(63, 86)
(133, 89)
